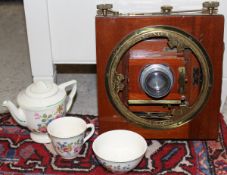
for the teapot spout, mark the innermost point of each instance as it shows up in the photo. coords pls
(16, 113)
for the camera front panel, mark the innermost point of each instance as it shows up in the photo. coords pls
(129, 85)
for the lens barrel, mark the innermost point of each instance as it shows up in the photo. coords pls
(156, 80)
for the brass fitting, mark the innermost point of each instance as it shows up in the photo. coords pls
(211, 6)
(166, 9)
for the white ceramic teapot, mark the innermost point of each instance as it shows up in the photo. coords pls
(39, 104)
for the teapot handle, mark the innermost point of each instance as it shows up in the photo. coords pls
(72, 93)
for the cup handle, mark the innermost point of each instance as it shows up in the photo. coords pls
(72, 93)
(92, 126)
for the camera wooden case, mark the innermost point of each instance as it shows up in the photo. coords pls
(191, 46)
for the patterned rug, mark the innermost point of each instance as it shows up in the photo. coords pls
(20, 155)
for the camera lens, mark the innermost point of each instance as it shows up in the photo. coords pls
(156, 80)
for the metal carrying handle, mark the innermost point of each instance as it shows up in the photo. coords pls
(209, 7)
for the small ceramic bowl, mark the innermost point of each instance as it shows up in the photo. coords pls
(119, 151)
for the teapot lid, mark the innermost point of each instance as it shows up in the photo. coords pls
(40, 94)
(41, 89)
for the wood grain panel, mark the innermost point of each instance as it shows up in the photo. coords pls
(208, 30)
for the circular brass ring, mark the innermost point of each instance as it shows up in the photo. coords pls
(177, 38)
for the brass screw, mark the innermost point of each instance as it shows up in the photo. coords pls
(104, 8)
(211, 6)
(166, 9)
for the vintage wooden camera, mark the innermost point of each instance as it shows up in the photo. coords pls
(160, 74)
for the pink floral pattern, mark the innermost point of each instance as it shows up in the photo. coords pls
(44, 119)
(69, 149)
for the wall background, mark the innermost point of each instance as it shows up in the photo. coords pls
(63, 32)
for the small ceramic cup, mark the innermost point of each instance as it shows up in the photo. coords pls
(68, 134)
